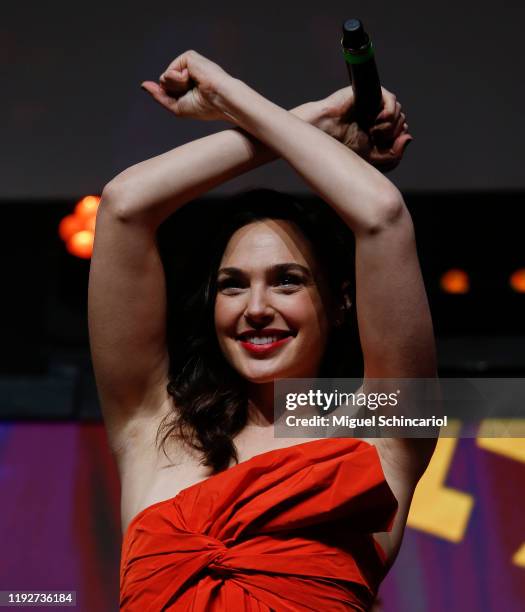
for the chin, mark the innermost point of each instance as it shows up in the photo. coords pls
(264, 376)
(261, 380)
(261, 371)
(261, 375)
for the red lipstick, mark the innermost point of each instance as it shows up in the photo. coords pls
(261, 349)
(279, 338)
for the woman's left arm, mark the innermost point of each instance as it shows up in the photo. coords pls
(395, 324)
(394, 317)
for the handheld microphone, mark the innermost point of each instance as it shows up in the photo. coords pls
(359, 56)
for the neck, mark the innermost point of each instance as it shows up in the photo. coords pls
(261, 405)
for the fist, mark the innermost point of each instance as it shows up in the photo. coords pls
(190, 87)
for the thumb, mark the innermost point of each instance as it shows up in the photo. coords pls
(150, 87)
(342, 99)
(158, 94)
(400, 145)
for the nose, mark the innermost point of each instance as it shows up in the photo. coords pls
(259, 308)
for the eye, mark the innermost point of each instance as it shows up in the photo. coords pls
(229, 285)
(289, 280)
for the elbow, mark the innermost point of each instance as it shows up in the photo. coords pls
(116, 201)
(389, 211)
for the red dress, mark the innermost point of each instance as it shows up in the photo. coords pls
(287, 530)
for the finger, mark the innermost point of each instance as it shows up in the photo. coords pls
(384, 124)
(396, 115)
(160, 96)
(151, 87)
(388, 159)
(175, 75)
(400, 145)
(175, 83)
(180, 62)
(389, 106)
(399, 126)
(383, 161)
(342, 99)
(189, 60)
(383, 132)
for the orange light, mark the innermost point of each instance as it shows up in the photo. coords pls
(77, 230)
(455, 281)
(87, 207)
(90, 224)
(517, 280)
(81, 244)
(68, 226)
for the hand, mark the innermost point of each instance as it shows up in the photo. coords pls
(189, 87)
(385, 142)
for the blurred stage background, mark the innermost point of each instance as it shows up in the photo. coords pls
(74, 117)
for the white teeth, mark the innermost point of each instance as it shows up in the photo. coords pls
(265, 340)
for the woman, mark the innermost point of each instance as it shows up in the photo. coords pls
(292, 526)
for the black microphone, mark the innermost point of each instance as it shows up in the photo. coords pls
(360, 60)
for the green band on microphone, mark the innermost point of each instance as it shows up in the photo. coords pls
(358, 58)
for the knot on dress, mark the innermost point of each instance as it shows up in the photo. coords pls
(218, 565)
(288, 530)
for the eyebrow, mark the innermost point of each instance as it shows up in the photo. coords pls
(277, 268)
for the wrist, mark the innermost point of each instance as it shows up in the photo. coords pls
(315, 113)
(321, 116)
(226, 92)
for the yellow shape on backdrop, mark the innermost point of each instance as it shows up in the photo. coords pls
(519, 556)
(513, 448)
(436, 508)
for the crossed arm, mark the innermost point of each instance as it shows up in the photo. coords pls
(127, 303)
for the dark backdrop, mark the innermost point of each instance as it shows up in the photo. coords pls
(73, 114)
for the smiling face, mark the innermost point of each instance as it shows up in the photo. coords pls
(272, 306)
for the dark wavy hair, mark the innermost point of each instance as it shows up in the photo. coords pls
(210, 403)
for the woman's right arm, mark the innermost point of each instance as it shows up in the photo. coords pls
(127, 293)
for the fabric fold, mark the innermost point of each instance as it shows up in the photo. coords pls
(289, 529)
